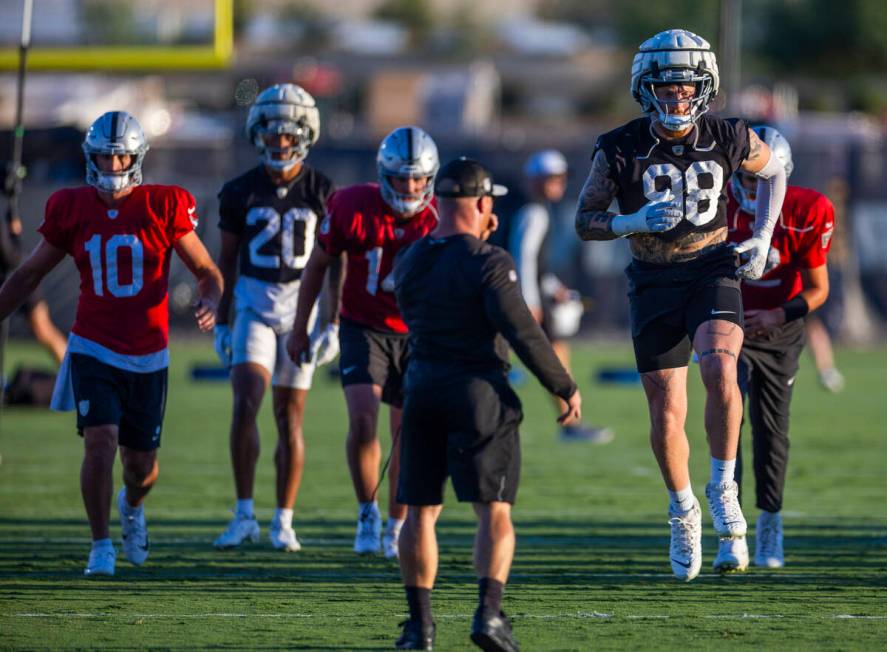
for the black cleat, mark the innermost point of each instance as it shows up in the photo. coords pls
(492, 633)
(415, 636)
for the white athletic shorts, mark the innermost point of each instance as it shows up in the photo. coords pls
(253, 340)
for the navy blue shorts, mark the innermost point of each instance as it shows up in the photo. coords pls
(134, 402)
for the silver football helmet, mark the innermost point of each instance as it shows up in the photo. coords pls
(283, 109)
(115, 132)
(780, 149)
(674, 56)
(407, 152)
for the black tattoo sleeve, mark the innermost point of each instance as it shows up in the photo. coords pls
(592, 217)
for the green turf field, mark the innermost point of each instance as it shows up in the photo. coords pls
(591, 569)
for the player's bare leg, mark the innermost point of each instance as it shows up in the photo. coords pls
(140, 470)
(718, 343)
(45, 332)
(666, 391)
(96, 482)
(418, 568)
(289, 461)
(364, 454)
(396, 511)
(579, 431)
(493, 554)
(820, 346)
(248, 384)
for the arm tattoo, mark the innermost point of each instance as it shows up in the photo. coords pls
(592, 218)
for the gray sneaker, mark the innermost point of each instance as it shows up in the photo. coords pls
(768, 541)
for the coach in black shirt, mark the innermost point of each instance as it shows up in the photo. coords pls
(463, 305)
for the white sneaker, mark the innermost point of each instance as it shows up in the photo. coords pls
(283, 538)
(732, 555)
(389, 541)
(134, 530)
(686, 542)
(726, 514)
(369, 531)
(768, 541)
(101, 562)
(240, 529)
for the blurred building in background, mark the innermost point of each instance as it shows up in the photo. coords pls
(494, 79)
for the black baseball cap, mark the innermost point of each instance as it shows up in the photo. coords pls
(464, 177)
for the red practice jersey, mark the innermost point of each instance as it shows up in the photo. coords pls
(360, 224)
(123, 257)
(801, 240)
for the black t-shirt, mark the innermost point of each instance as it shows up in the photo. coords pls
(694, 170)
(461, 301)
(277, 224)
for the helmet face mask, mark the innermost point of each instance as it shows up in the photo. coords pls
(116, 133)
(407, 152)
(780, 148)
(283, 109)
(674, 57)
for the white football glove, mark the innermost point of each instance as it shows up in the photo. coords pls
(325, 346)
(654, 217)
(223, 343)
(755, 251)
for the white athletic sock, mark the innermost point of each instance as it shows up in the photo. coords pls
(722, 471)
(98, 544)
(682, 500)
(393, 525)
(284, 517)
(245, 507)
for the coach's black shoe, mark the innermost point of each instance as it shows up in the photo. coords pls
(415, 636)
(492, 633)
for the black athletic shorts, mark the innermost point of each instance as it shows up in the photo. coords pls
(669, 301)
(133, 402)
(371, 357)
(467, 428)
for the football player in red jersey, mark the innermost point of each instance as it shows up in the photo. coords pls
(268, 218)
(120, 234)
(795, 282)
(669, 171)
(370, 223)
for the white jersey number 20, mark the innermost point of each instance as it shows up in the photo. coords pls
(287, 229)
(686, 186)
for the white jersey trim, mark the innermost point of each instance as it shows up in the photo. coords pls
(63, 393)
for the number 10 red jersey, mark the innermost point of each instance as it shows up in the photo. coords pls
(123, 256)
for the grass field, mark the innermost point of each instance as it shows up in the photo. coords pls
(591, 570)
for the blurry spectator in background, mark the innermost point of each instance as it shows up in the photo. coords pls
(268, 220)
(35, 308)
(795, 282)
(553, 305)
(368, 224)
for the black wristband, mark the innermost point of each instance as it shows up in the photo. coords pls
(795, 308)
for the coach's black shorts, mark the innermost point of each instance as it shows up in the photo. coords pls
(669, 302)
(134, 402)
(466, 428)
(371, 357)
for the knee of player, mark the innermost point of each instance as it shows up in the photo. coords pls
(100, 441)
(718, 367)
(363, 426)
(246, 405)
(142, 469)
